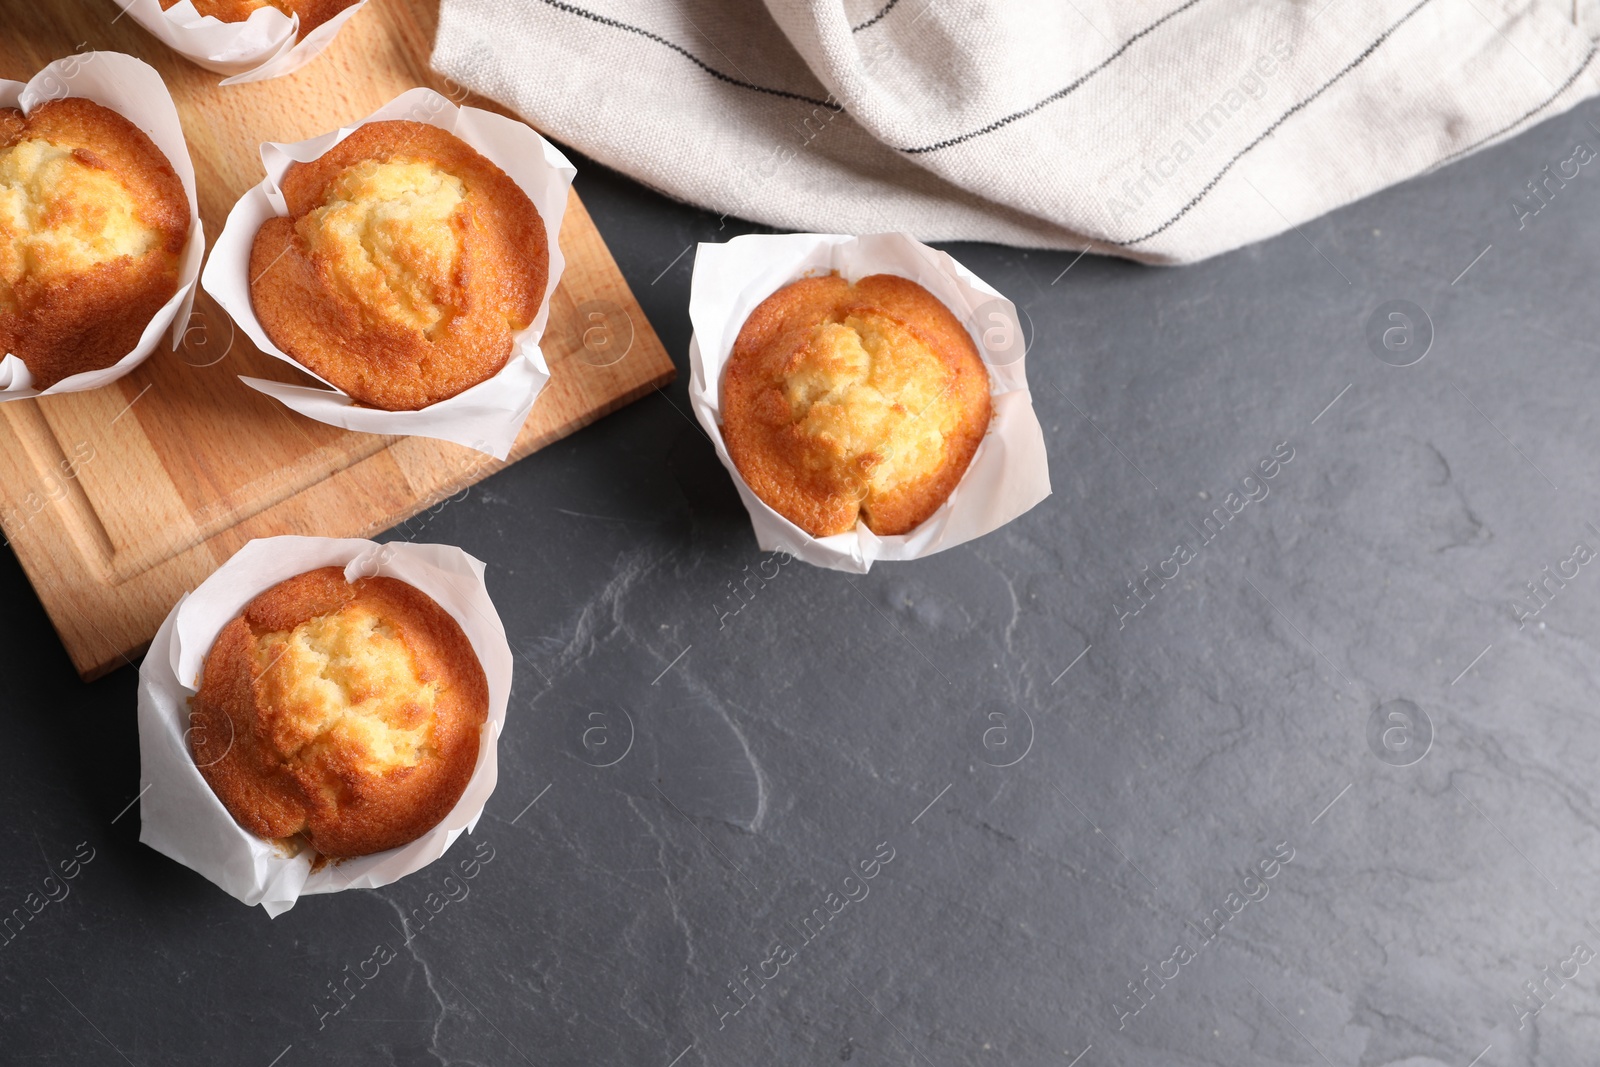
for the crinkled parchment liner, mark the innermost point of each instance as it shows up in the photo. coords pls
(180, 815)
(135, 91)
(487, 416)
(265, 45)
(1010, 472)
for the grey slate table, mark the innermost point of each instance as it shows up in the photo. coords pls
(1324, 799)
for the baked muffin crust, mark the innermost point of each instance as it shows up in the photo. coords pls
(313, 13)
(93, 219)
(346, 712)
(843, 402)
(405, 265)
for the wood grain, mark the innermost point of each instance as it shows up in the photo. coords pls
(117, 501)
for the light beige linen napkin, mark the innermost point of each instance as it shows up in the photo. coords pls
(1165, 131)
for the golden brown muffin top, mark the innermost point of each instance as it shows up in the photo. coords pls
(313, 13)
(404, 267)
(346, 712)
(846, 401)
(93, 219)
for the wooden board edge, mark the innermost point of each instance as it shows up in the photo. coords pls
(134, 658)
(93, 666)
(662, 378)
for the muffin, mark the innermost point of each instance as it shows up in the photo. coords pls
(346, 713)
(404, 267)
(93, 220)
(844, 402)
(313, 13)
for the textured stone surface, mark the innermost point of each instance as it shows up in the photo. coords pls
(833, 718)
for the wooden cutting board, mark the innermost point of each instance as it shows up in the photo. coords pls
(118, 501)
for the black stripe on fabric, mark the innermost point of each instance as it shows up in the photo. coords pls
(1053, 97)
(1206, 189)
(1525, 116)
(573, 9)
(874, 20)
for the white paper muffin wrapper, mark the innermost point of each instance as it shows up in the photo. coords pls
(487, 416)
(1008, 475)
(261, 47)
(135, 91)
(180, 815)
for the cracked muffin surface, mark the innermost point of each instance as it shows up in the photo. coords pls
(93, 222)
(347, 713)
(854, 402)
(404, 267)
